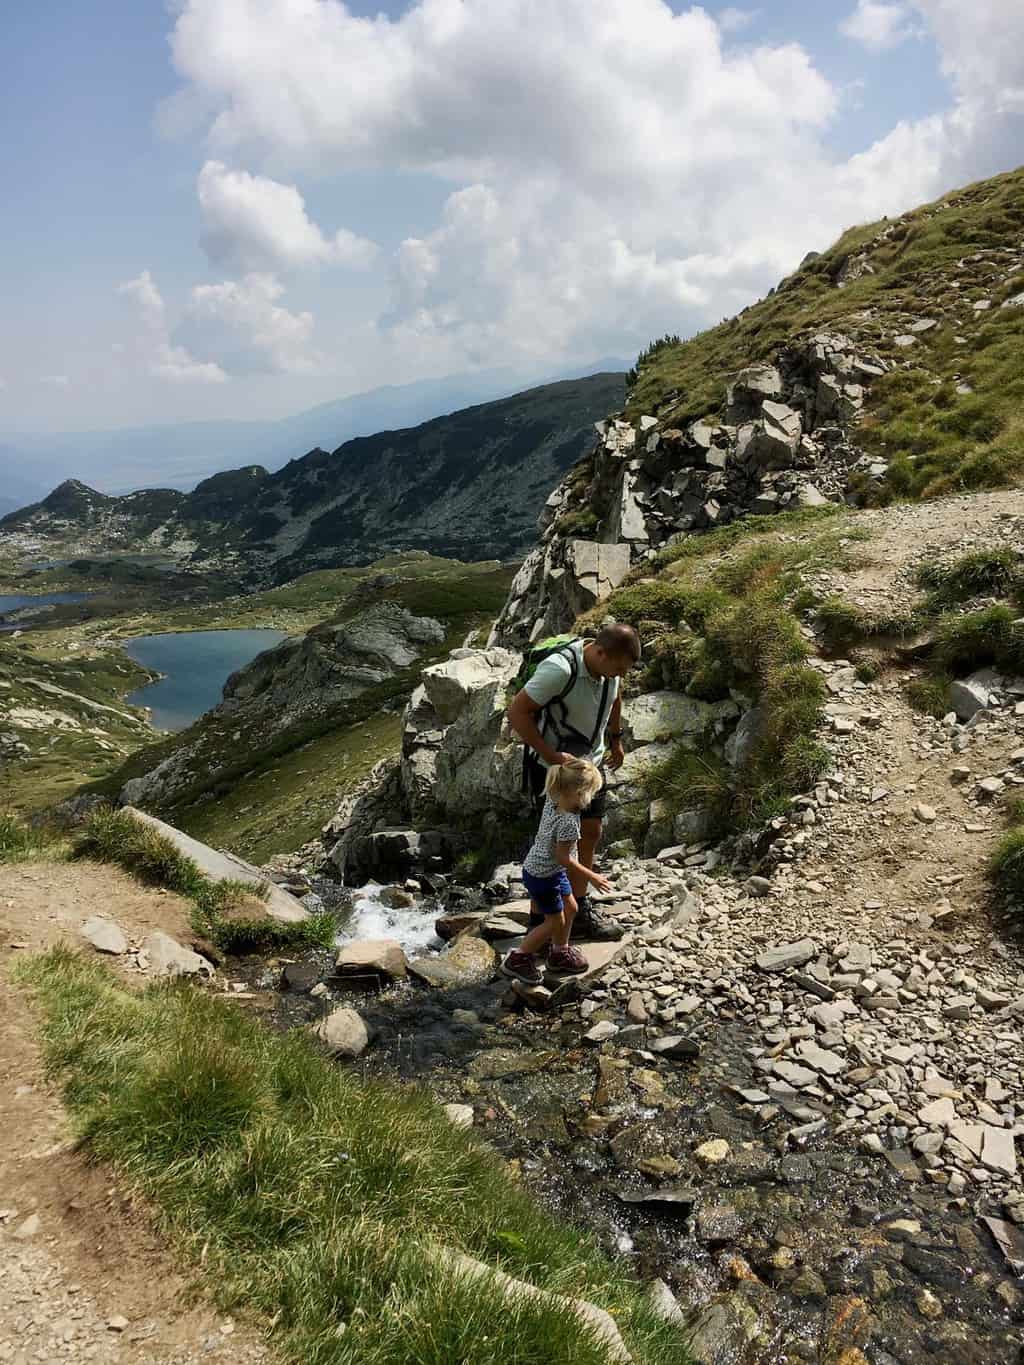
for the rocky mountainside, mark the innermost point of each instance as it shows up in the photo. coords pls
(467, 485)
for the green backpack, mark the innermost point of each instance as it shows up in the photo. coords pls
(532, 659)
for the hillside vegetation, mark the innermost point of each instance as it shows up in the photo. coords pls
(939, 294)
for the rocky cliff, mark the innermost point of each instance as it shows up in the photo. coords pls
(468, 485)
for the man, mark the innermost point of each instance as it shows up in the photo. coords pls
(571, 708)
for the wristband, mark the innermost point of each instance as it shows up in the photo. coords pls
(615, 734)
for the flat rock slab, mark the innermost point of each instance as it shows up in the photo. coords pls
(600, 957)
(499, 1062)
(381, 955)
(104, 935)
(224, 867)
(821, 1059)
(786, 955)
(1009, 1240)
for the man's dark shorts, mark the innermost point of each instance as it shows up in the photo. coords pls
(597, 809)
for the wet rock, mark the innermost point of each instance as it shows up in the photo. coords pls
(381, 957)
(676, 1047)
(104, 935)
(344, 1032)
(1009, 1240)
(299, 977)
(719, 1223)
(664, 1302)
(467, 962)
(722, 1331)
(712, 1152)
(677, 1198)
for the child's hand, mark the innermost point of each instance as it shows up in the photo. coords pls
(602, 883)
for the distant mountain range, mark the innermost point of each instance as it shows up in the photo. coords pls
(182, 455)
(469, 485)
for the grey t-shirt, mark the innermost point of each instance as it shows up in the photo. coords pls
(556, 827)
(582, 704)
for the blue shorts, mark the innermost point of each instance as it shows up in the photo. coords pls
(548, 892)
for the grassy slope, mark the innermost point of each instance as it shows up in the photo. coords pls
(938, 440)
(313, 1198)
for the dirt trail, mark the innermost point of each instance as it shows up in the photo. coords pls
(83, 1274)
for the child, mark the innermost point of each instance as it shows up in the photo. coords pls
(570, 788)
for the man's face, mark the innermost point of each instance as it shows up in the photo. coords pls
(614, 665)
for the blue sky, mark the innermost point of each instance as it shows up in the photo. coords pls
(513, 181)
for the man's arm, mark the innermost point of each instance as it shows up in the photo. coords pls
(522, 716)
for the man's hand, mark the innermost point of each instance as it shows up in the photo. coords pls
(596, 879)
(561, 760)
(616, 755)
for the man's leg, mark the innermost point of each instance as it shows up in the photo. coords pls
(590, 923)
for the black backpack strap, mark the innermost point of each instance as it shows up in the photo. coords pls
(602, 718)
(568, 652)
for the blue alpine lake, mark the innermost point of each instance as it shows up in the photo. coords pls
(196, 665)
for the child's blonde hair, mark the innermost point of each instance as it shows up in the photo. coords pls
(578, 775)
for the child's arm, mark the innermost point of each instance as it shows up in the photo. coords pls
(563, 853)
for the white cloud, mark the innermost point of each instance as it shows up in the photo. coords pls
(732, 20)
(142, 291)
(614, 171)
(879, 24)
(252, 223)
(241, 325)
(55, 381)
(153, 346)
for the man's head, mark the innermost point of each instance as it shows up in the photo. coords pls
(615, 650)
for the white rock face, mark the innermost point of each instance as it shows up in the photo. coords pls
(657, 716)
(452, 685)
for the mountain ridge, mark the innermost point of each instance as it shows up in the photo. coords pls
(442, 486)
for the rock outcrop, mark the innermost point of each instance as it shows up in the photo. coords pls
(783, 441)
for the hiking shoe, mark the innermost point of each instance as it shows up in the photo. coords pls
(591, 924)
(567, 961)
(522, 967)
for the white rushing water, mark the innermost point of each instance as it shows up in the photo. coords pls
(412, 926)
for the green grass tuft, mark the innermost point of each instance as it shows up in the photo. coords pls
(995, 573)
(20, 843)
(993, 636)
(312, 1197)
(841, 623)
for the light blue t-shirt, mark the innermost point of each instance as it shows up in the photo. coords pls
(582, 704)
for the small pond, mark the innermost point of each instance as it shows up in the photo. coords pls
(195, 666)
(18, 601)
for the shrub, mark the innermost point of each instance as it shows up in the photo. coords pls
(1006, 866)
(840, 623)
(695, 779)
(970, 641)
(20, 842)
(993, 572)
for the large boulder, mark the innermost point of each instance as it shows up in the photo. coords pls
(343, 1033)
(469, 961)
(469, 674)
(749, 390)
(654, 716)
(380, 957)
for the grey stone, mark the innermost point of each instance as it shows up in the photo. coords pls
(786, 955)
(104, 935)
(466, 962)
(460, 1115)
(967, 698)
(167, 957)
(821, 1059)
(997, 1150)
(343, 1032)
(601, 1032)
